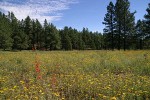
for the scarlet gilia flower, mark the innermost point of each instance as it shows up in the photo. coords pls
(37, 68)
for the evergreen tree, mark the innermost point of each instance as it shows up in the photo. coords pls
(147, 26)
(140, 27)
(98, 40)
(38, 35)
(54, 38)
(86, 38)
(124, 23)
(6, 41)
(15, 31)
(147, 20)
(73, 36)
(109, 22)
(28, 31)
(33, 33)
(128, 27)
(23, 36)
(51, 37)
(46, 31)
(118, 18)
(81, 44)
(91, 41)
(57, 38)
(65, 39)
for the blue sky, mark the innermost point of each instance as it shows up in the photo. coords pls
(74, 13)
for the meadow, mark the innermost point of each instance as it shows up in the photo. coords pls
(75, 75)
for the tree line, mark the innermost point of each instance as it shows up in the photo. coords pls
(120, 32)
(30, 34)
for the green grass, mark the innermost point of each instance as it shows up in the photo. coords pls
(75, 75)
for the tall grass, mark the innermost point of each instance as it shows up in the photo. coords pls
(75, 75)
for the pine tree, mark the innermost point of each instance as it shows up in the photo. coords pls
(38, 35)
(28, 31)
(6, 41)
(98, 40)
(147, 25)
(125, 22)
(119, 17)
(46, 31)
(140, 34)
(65, 39)
(81, 44)
(74, 39)
(54, 38)
(48, 37)
(73, 36)
(23, 36)
(86, 38)
(15, 31)
(109, 21)
(51, 37)
(92, 42)
(128, 27)
(147, 20)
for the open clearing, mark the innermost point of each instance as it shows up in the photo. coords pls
(75, 75)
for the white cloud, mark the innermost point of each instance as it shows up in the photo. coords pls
(37, 9)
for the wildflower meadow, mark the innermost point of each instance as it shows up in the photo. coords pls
(75, 75)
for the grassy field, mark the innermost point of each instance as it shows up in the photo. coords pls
(75, 75)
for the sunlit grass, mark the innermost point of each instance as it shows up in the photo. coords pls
(75, 75)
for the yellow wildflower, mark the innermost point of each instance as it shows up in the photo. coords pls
(1, 91)
(56, 94)
(22, 82)
(15, 87)
(25, 88)
(113, 98)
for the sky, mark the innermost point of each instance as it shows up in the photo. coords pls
(74, 13)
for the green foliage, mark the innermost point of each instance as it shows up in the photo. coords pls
(65, 38)
(28, 31)
(147, 20)
(6, 41)
(54, 38)
(51, 37)
(120, 26)
(140, 34)
(147, 27)
(109, 22)
(81, 44)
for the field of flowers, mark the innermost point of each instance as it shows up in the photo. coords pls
(75, 75)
